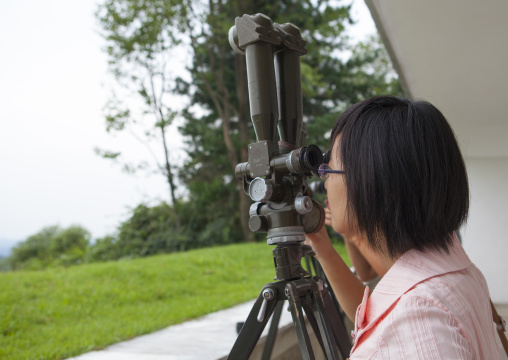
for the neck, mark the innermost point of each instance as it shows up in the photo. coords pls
(388, 262)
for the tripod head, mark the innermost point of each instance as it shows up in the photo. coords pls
(275, 176)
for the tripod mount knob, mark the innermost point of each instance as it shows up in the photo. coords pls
(268, 294)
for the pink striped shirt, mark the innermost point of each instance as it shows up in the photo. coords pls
(429, 305)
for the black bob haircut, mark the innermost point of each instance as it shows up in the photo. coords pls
(405, 176)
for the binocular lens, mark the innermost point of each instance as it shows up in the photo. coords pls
(311, 158)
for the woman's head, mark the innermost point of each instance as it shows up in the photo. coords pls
(405, 177)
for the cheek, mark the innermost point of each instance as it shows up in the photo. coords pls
(339, 219)
(337, 191)
(337, 198)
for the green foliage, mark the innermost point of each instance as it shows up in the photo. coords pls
(36, 246)
(155, 230)
(367, 72)
(141, 39)
(136, 40)
(150, 230)
(104, 249)
(143, 36)
(56, 314)
(331, 81)
(52, 246)
(74, 237)
(214, 211)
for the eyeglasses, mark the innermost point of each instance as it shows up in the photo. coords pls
(324, 171)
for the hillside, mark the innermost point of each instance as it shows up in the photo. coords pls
(58, 313)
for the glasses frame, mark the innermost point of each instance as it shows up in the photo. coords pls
(324, 171)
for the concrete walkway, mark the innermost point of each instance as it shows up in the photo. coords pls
(210, 337)
(207, 338)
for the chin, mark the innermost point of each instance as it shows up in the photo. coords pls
(337, 228)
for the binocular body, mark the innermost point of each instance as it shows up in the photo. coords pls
(276, 172)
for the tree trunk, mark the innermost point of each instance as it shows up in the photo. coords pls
(169, 174)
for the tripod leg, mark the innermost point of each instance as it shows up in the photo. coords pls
(320, 273)
(339, 331)
(325, 329)
(299, 322)
(252, 329)
(330, 319)
(314, 324)
(272, 334)
(258, 317)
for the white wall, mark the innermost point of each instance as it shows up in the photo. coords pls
(485, 237)
(451, 53)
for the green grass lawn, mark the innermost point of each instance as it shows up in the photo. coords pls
(59, 313)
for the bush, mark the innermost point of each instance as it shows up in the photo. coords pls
(35, 247)
(164, 229)
(148, 231)
(52, 246)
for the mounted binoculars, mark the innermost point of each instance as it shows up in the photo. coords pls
(275, 174)
(275, 178)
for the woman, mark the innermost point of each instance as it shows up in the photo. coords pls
(397, 181)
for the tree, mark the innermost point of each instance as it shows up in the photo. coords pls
(218, 84)
(217, 123)
(141, 40)
(36, 246)
(74, 237)
(51, 246)
(150, 231)
(367, 72)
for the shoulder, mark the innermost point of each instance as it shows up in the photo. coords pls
(425, 319)
(423, 308)
(438, 309)
(417, 327)
(458, 302)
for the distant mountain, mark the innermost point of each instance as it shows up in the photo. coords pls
(6, 245)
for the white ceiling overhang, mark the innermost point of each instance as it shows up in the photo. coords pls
(454, 54)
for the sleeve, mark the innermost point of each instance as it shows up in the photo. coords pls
(419, 329)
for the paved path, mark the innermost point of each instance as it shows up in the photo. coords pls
(207, 338)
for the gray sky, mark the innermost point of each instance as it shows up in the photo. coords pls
(52, 76)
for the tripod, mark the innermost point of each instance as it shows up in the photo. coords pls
(305, 293)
